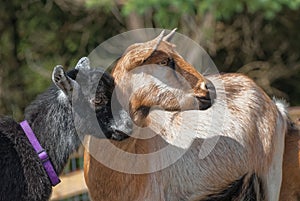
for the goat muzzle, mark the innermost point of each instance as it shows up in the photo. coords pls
(205, 93)
(122, 127)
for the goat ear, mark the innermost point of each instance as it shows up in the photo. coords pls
(169, 37)
(62, 81)
(83, 63)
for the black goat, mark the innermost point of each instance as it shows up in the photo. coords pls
(60, 118)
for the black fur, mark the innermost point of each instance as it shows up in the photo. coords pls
(53, 120)
(22, 174)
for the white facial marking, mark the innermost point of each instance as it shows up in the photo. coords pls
(202, 86)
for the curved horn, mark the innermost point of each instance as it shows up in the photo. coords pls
(170, 35)
(158, 39)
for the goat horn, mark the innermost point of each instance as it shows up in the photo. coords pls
(170, 35)
(158, 39)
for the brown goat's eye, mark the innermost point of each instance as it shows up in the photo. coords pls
(167, 62)
(163, 63)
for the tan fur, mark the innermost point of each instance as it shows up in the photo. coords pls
(106, 184)
(157, 51)
(250, 129)
(290, 189)
(252, 120)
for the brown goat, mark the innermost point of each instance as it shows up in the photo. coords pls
(232, 150)
(189, 88)
(290, 189)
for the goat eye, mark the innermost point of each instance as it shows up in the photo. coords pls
(163, 63)
(98, 102)
(168, 62)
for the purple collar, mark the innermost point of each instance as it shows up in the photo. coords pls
(41, 153)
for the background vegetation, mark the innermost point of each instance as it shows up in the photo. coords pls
(258, 37)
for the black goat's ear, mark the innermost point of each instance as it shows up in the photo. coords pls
(62, 81)
(83, 63)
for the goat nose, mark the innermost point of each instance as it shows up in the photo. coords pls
(205, 94)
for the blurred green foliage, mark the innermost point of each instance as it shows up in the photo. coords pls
(167, 13)
(259, 38)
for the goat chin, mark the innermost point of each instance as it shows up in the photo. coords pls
(238, 142)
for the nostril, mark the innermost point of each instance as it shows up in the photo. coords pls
(211, 90)
(209, 86)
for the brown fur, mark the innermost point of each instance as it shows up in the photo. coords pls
(158, 51)
(250, 141)
(106, 184)
(184, 176)
(290, 189)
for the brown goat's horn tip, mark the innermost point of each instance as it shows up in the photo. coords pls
(158, 39)
(170, 35)
(160, 36)
(161, 33)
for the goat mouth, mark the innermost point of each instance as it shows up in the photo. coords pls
(205, 103)
(119, 135)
